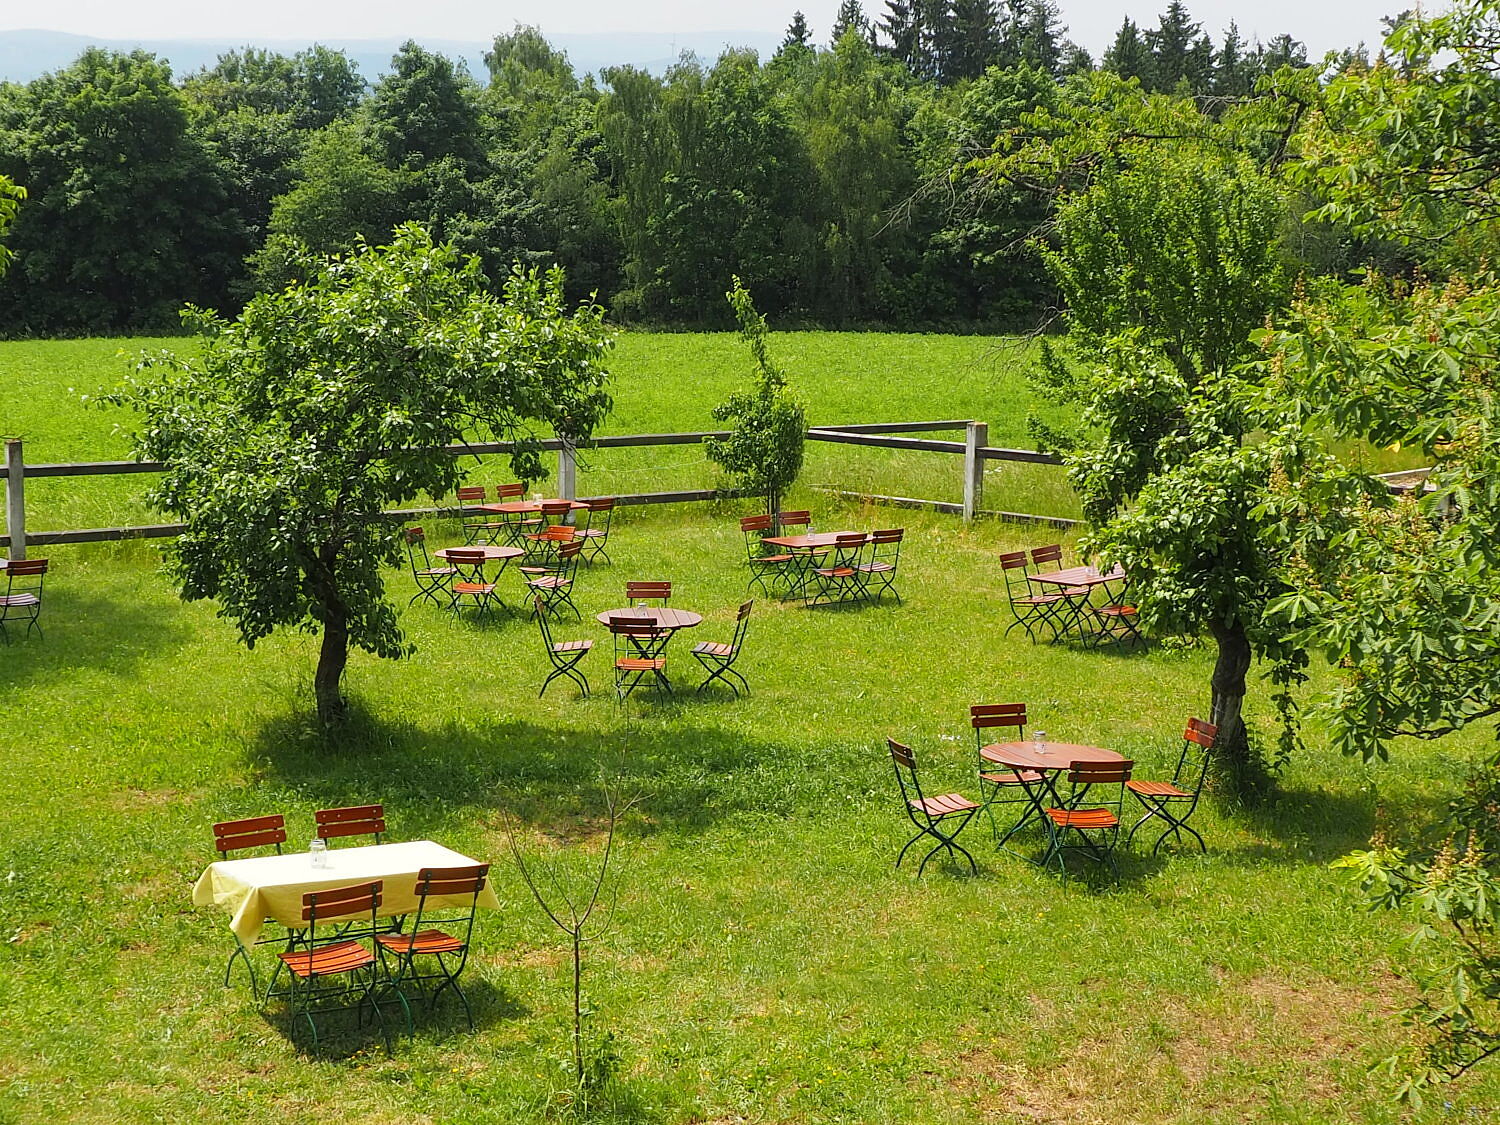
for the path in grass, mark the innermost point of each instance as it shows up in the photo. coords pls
(765, 963)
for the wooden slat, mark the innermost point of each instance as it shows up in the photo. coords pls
(846, 437)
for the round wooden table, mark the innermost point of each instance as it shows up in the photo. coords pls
(660, 616)
(526, 507)
(1049, 756)
(491, 553)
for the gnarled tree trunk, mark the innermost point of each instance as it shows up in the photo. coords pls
(334, 654)
(1230, 745)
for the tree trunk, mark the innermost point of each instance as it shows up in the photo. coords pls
(1230, 744)
(328, 679)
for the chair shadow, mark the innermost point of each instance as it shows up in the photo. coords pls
(71, 639)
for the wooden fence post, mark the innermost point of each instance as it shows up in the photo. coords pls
(976, 437)
(15, 498)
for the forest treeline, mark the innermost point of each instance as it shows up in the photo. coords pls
(832, 176)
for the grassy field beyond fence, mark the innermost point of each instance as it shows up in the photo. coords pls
(763, 962)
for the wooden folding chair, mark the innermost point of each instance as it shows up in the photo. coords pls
(639, 647)
(431, 580)
(471, 582)
(840, 579)
(595, 530)
(1163, 799)
(554, 587)
(232, 836)
(719, 659)
(1003, 787)
(312, 965)
(447, 952)
(1030, 609)
(22, 599)
(639, 593)
(1096, 826)
(514, 525)
(940, 818)
(475, 525)
(884, 558)
(768, 570)
(564, 655)
(352, 820)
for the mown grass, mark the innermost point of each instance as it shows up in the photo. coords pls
(764, 962)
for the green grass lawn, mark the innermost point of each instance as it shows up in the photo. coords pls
(763, 962)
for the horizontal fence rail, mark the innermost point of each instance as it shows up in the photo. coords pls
(879, 435)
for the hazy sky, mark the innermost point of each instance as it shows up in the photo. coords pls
(1321, 24)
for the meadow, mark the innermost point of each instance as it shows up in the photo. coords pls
(762, 961)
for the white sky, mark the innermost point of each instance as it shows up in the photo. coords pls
(1321, 24)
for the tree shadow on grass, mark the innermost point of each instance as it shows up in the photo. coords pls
(83, 631)
(546, 776)
(1315, 826)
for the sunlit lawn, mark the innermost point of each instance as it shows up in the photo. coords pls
(763, 962)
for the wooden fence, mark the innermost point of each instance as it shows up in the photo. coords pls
(974, 450)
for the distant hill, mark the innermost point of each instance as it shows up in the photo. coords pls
(25, 55)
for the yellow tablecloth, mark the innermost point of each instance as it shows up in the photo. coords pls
(272, 886)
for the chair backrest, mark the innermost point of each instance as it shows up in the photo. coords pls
(449, 883)
(848, 547)
(31, 573)
(1012, 562)
(354, 820)
(341, 902)
(987, 716)
(1100, 773)
(758, 524)
(254, 832)
(755, 530)
(904, 761)
(1199, 736)
(648, 591)
(557, 533)
(471, 494)
(636, 636)
(567, 557)
(885, 545)
(601, 504)
(515, 491)
(742, 624)
(628, 626)
(1051, 554)
(465, 556)
(554, 510)
(794, 519)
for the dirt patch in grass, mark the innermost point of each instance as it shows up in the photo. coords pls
(1259, 1041)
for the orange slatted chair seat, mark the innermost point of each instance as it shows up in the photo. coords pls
(1082, 818)
(641, 663)
(944, 805)
(1118, 611)
(425, 941)
(1156, 789)
(549, 582)
(326, 960)
(836, 571)
(714, 648)
(1020, 777)
(20, 599)
(473, 587)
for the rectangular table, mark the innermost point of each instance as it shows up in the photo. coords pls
(272, 886)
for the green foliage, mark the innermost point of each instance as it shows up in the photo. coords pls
(11, 196)
(331, 400)
(763, 453)
(1165, 251)
(127, 216)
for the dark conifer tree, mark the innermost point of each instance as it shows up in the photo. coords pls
(1171, 46)
(901, 26)
(975, 40)
(851, 15)
(798, 34)
(1128, 56)
(1232, 77)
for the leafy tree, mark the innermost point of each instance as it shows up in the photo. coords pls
(1166, 255)
(126, 217)
(426, 109)
(763, 453)
(314, 87)
(1402, 594)
(11, 197)
(324, 403)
